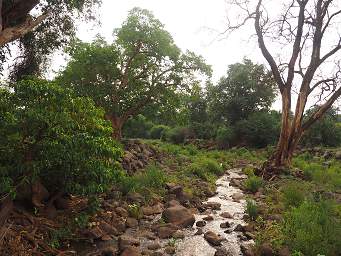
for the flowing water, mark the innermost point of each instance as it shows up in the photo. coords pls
(196, 245)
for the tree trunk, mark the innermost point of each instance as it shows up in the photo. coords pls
(117, 124)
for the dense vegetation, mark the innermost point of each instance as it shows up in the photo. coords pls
(68, 137)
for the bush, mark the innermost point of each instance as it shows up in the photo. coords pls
(49, 134)
(313, 228)
(294, 194)
(204, 168)
(137, 127)
(178, 135)
(253, 183)
(251, 209)
(259, 130)
(225, 137)
(157, 131)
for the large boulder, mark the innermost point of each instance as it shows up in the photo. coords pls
(213, 238)
(179, 216)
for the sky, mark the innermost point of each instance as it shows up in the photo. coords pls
(196, 25)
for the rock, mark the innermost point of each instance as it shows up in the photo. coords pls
(208, 218)
(226, 215)
(94, 233)
(213, 238)
(107, 228)
(275, 217)
(246, 250)
(239, 228)
(249, 235)
(120, 225)
(109, 251)
(172, 203)
(179, 216)
(166, 231)
(284, 251)
(237, 197)
(266, 250)
(146, 252)
(154, 246)
(122, 212)
(126, 241)
(135, 197)
(200, 223)
(131, 222)
(221, 252)
(170, 250)
(131, 251)
(179, 234)
(248, 228)
(225, 224)
(151, 210)
(62, 203)
(338, 155)
(213, 205)
(199, 232)
(176, 190)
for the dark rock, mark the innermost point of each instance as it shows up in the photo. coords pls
(166, 231)
(200, 223)
(179, 234)
(122, 212)
(208, 218)
(266, 250)
(126, 241)
(131, 222)
(213, 238)
(176, 190)
(246, 250)
(237, 197)
(199, 232)
(225, 225)
(151, 210)
(154, 246)
(135, 197)
(170, 250)
(213, 205)
(179, 216)
(284, 251)
(239, 228)
(226, 215)
(107, 228)
(172, 203)
(131, 251)
(221, 252)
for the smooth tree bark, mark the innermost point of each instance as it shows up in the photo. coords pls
(307, 29)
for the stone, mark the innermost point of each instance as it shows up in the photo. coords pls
(284, 251)
(107, 228)
(213, 205)
(176, 190)
(275, 217)
(122, 212)
(221, 252)
(199, 232)
(248, 228)
(208, 218)
(246, 250)
(237, 196)
(135, 197)
(131, 222)
(338, 155)
(225, 225)
(172, 203)
(94, 233)
(151, 210)
(266, 249)
(179, 216)
(200, 223)
(239, 228)
(126, 241)
(170, 250)
(213, 238)
(154, 246)
(166, 231)
(226, 215)
(131, 251)
(179, 234)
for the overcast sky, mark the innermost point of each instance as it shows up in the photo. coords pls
(194, 24)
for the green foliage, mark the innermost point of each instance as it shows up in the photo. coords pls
(204, 168)
(326, 131)
(294, 194)
(247, 88)
(225, 137)
(57, 236)
(313, 228)
(137, 127)
(51, 135)
(253, 183)
(251, 209)
(178, 135)
(135, 211)
(149, 181)
(259, 129)
(157, 131)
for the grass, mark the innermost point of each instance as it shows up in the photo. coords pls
(253, 183)
(251, 209)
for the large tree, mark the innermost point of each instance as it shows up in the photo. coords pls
(39, 27)
(141, 67)
(246, 88)
(301, 43)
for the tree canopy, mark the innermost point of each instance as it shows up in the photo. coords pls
(142, 66)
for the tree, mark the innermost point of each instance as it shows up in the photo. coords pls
(41, 26)
(247, 88)
(305, 32)
(142, 66)
(49, 134)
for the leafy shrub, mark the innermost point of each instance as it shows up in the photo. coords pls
(203, 130)
(259, 129)
(150, 180)
(253, 183)
(313, 228)
(205, 167)
(137, 127)
(178, 135)
(225, 137)
(251, 209)
(157, 131)
(294, 194)
(49, 134)
(135, 211)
